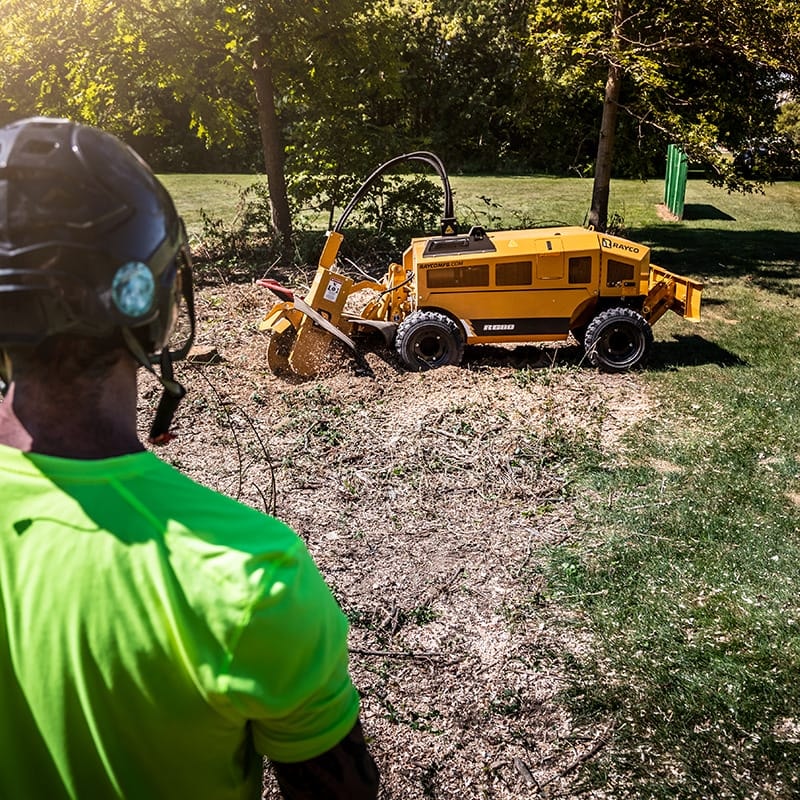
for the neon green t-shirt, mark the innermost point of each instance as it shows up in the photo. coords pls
(155, 636)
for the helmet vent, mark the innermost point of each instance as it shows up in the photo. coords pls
(39, 147)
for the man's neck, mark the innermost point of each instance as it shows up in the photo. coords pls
(82, 421)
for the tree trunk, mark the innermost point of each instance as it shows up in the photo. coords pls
(273, 146)
(598, 215)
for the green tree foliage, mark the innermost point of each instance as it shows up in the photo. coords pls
(406, 75)
(229, 69)
(704, 75)
(458, 67)
(788, 122)
(128, 68)
(324, 91)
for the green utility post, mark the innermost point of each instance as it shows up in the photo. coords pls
(675, 182)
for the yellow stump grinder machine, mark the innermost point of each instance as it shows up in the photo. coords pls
(479, 287)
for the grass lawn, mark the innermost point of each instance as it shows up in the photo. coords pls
(214, 195)
(686, 566)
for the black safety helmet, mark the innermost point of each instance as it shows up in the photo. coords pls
(90, 244)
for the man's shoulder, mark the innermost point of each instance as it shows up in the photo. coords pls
(226, 554)
(188, 504)
(181, 487)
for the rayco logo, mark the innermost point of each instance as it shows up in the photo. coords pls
(628, 248)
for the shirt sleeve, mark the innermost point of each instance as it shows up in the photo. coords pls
(289, 669)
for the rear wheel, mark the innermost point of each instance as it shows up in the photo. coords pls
(618, 339)
(428, 339)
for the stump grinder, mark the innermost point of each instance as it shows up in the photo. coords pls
(479, 287)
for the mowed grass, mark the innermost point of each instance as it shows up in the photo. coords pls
(721, 232)
(217, 196)
(684, 562)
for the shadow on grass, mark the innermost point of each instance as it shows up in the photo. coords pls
(522, 356)
(695, 211)
(777, 281)
(723, 253)
(691, 351)
(681, 351)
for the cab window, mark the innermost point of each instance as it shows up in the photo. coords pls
(456, 277)
(580, 269)
(617, 272)
(514, 273)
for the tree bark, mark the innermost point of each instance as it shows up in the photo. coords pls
(598, 214)
(272, 144)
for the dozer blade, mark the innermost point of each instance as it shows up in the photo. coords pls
(671, 292)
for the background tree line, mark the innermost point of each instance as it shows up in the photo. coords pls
(315, 93)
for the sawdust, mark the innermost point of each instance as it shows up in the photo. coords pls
(428, 501)
(663, 212)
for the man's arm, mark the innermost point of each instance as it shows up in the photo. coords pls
(345, 772)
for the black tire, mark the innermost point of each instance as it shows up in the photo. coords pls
(428, 339)
(618, 339)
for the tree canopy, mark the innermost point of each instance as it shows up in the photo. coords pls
(318, 92)
(706, 75)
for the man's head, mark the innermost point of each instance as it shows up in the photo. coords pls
(91, 246)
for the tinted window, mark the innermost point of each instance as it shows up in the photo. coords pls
(515, 273)
(454, 277)
(580, 269)
(618, 272)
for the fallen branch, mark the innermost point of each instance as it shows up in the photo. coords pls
(600, 740)
(437, 591)
(522, 768)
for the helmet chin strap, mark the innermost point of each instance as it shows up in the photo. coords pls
(5, 373)
(171, 396)
(173, 391)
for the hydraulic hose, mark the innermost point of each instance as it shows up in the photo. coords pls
(448, 219)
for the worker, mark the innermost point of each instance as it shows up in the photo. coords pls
(156, 638)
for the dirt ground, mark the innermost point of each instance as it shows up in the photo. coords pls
(428, 501)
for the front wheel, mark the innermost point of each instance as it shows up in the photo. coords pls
(429, 339)
(618, 339)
